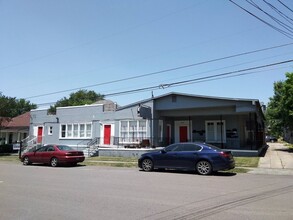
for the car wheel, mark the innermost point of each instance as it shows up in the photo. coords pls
(26, 161)
(54, 162)
(204, 167)
(147, 165)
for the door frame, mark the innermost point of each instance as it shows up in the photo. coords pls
(178, 124)
(102, 130)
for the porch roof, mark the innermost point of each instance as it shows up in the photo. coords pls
(18, 121)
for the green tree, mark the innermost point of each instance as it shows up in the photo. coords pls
(81, 97)
(11, 107)
(280, 107)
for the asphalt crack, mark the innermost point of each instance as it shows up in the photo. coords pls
(213, 206)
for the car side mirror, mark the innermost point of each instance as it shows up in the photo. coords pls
(163, 151)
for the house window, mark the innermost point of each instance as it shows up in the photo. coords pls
(75, 130)
(88, 130)
(82, 130)
(215, 131)
(69, 130)
(133, 131)
(50, 130)
(63, 131)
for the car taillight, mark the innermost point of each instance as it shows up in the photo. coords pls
(225, 154)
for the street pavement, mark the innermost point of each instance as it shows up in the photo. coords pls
(278, 160)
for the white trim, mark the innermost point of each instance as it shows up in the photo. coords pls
(161, 129)
(102, 126)
(215, 131)
(177, 132)
(72, 130)
(50, 130)
(138, 133)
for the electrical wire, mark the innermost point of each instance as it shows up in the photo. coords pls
(285, 6)
(265, 22)
(163, 86)
(192, 81)
(161, 71)
(286, 17)
(287, 27)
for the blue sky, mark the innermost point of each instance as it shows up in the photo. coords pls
(47, 46)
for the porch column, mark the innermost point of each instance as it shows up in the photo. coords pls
(6, 138)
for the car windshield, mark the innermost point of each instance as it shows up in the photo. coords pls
(64, 147)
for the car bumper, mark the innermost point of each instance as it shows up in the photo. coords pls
(76, 159)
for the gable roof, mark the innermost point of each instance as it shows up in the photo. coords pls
(187, 95)
(206, 97)
(18, 121)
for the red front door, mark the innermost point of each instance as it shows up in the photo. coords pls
(107, 134)
(40, 135)
(183, 134)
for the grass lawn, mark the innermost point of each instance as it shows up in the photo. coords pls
(9, 157)
(290, 146)
(242, 163)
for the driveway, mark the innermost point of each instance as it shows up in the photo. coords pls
(277, 160)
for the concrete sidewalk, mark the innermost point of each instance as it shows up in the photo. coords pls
(277, 160)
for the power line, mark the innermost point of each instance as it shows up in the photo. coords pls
(286, 17)
(285, 6)
(161, 71)
(230, 74)
(162, 86)
(287, 27)
(270, 25)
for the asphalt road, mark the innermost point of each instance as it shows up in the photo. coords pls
(87, 192)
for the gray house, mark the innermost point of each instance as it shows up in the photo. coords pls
(155, 122)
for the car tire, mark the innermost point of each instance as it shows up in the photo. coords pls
(26, 161)
(147, 165)
(203, 167)
(54, 162)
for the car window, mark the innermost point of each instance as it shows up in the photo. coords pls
(191, 147)
(50, 148)
(64, 147)
(42, 149)
(172, 147)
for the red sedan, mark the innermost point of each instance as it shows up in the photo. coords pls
(53, 155)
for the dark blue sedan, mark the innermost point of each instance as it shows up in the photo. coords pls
(201, 157)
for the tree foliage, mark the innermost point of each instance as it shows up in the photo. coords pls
(280, 107)
(12, 107)
(81, 97)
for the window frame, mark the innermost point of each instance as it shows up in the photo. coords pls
(133, 131)
(217, 138)
(50, 130)
(76, 130)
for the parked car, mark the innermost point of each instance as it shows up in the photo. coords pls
(53, 155)
(201, 157)
(270, 138)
